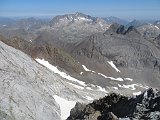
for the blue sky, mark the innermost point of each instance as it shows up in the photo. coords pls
(128, 9)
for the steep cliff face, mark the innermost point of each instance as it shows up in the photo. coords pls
(144, 106)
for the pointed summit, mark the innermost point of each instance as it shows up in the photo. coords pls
(112, 29)
(132, 31)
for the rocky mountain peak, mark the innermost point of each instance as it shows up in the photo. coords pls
(132, 31)
(70, 18)
(112, 29)
(114, 106)
(78, 14)
(120, 29)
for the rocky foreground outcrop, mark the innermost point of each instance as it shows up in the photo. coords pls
(145, 106)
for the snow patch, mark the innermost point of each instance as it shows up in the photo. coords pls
(88, 98)
(93, 72)
(81, 73)
(102, 89)
(114, 66)
(88, 88)
(130, 79)
(83, 19)
(85, 68)
(117, 79)
(132, 86)
(137, 93)
(101, 24)
(112, 78)
(102, 75)
(65, 106)
(145, 94)
(116, 88)
(156, 27)
(76, 86)
(55, 70)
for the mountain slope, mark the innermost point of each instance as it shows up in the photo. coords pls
(30, 91)
(133, 55)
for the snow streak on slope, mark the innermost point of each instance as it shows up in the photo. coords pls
(112, 78)
(81, 85)
(55, 70)
(76, 86)
(137, 93)
(113, 65)
(132, 86)
(85, 68)
(156, 27)
(65, 106)
(130, 79)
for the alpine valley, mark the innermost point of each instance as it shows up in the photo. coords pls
(79, 67)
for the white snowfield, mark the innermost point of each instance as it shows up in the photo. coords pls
(88, 98)
(114, 66)
(88, 88)
(137, 93)
(156, 27)
(65, 106)
(116, 88)
(102, 89)
(55, 70)
(130, 79)
(132, 86)
(85, 68)
(112, 78)
(68, 77)
(84, 19)
(76, 86)
(81, 73)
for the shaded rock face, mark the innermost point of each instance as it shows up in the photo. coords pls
(157, 41)
(145, 106)
(120, 29)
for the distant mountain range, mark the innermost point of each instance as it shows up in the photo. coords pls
(113, 19)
